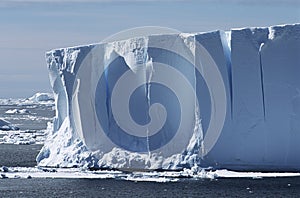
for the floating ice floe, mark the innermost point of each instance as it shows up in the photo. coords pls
(169, 176)
(23, 136)
(17, 111)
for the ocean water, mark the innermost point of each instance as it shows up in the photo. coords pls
(15, 155)
(271, 187)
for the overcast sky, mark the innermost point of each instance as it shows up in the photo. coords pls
(29, 28)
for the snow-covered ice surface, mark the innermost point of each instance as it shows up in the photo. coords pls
(235, 103)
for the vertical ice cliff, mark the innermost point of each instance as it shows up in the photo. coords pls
(219, 99)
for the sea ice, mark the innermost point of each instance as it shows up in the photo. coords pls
(17, 111)
(169, 176)
(29, 117)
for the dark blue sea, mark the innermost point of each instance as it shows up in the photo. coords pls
(276, 187)
(37, 187)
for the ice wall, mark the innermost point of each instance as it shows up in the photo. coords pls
(224, 100)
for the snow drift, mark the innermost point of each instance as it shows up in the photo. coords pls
(222, 100)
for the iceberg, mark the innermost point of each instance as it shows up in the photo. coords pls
(7, 126)
(226, 100)
(41, 97)
(17, 111)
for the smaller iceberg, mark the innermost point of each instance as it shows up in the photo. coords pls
(7, 126)
(17, 111)
(41, 97)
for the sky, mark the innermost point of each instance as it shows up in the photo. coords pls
(29, 28)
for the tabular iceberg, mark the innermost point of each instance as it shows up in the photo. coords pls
(217, 99)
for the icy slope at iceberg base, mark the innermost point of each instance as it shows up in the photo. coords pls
(62, 149)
